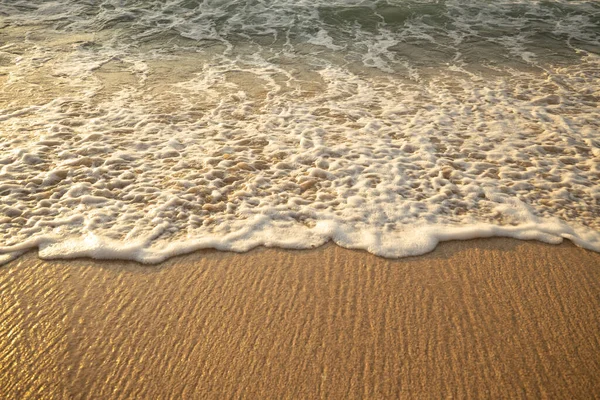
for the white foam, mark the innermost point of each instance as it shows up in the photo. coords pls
(133, 146)
(415, 241)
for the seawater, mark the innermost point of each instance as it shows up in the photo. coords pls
(140, 130)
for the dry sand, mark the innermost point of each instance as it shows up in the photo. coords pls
(492, 318)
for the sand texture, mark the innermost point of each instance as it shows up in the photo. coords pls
(493, 318)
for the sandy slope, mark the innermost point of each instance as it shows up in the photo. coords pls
(486, 318)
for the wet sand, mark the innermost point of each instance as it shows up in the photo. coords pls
(487, 318)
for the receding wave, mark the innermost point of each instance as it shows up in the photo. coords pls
(144, 129)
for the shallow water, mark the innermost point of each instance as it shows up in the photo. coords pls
(140, 130)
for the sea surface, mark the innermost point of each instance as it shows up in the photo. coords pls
(139, 130)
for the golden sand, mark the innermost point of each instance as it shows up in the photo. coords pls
(494, 318)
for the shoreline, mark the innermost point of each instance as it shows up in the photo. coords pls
(487, 317)
(423, 240)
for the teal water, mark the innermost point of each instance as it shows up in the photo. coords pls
(388, 32)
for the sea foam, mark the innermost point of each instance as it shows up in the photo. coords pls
(143, 131)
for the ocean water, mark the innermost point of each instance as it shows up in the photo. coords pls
(140, 130)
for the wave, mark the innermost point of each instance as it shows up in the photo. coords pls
(386, 126)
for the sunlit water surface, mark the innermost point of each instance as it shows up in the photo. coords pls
(144, 129)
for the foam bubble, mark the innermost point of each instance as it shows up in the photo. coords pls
(386, 128)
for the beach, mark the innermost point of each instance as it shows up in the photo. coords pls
(299, 199)
(485, 318)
